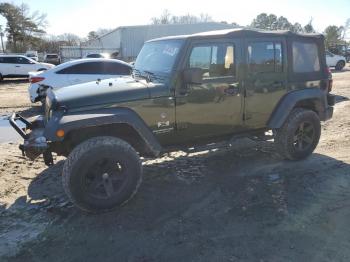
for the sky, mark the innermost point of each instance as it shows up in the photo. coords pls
(81, 16)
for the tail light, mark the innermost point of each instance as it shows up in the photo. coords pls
(330, 85)
(330, 79)
(36, 79)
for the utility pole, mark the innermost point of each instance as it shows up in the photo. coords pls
(2, 41)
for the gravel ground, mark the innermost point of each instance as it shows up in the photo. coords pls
(241, 203)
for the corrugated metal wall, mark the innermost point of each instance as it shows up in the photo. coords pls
(133, 37)
(69, 53)
(130, 39)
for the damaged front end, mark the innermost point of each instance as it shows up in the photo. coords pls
(35, 142)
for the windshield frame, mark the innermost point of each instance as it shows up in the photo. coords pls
(166, 74)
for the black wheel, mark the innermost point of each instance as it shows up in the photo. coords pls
(340, 65)
(101, 174)
(299, 135)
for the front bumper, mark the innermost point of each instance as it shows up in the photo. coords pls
(35, 142)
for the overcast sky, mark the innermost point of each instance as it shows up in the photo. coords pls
(80, 17)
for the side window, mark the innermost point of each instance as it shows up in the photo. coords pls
(264, 57)
(8, 60)
(216, 60)
(111, 68)
(94, 68)
(22, 60)
(305, 57)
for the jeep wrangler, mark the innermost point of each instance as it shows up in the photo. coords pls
(185, 91)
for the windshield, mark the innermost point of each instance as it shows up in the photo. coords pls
(158, 56)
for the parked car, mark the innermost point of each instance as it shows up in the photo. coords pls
(53, 59)
(336, 61)
(185, 91)
(75, 72)
(98, 55)
(33, 55)
(19, 66)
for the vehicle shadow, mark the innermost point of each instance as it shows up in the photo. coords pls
(14, 81)
(339, 99)
(243, 200)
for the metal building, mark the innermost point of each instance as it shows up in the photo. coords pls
(128, 40)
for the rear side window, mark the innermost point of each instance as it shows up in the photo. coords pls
(305, 57)
(116, 69)
(8, 60)
(97, 68)
(264, 57)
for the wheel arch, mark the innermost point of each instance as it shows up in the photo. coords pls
(312, 98)
(122, 123)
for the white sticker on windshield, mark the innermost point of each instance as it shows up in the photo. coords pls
(169, 50)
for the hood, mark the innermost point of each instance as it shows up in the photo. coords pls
(108, 91)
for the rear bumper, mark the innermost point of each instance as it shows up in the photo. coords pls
(35, 142)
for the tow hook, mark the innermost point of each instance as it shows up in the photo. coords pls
(21, 147)
(48, 159)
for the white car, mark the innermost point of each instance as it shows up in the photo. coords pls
(19, 66)
(336, 61)
(75, 72)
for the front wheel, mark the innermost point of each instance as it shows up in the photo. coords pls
(299, 135)
(101, 174)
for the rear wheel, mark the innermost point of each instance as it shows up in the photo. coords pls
(299, 135)
(340, 65)
(101, 174)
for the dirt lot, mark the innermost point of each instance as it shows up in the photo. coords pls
(229, 204)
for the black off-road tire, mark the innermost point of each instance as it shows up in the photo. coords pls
(285, 136)
(81, 161)
(340, 65)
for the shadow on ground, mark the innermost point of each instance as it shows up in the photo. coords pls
(14, 81)
(220, 205)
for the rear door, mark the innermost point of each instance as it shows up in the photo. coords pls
(214, 107)
(8, 65)
(265, 79)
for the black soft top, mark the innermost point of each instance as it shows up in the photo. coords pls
(242, 32)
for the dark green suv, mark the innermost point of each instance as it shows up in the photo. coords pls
(185, 91)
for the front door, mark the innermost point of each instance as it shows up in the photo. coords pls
(214, 107)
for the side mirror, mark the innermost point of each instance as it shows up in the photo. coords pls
(193, 76)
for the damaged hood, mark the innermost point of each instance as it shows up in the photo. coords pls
(108, 91)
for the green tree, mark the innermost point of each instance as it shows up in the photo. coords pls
(22, 28)
(265, 21)
(92, 35)
(309, 28)
(333, 35)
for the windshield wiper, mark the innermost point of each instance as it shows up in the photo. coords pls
(147, 77)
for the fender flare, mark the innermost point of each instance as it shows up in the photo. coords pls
(290, 100)
(101, 117)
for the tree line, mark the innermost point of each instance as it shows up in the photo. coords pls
(25, 30)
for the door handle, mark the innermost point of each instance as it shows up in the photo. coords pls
(18, 66)
(233, 89)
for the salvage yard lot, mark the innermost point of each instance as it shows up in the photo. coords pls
(241, 203)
